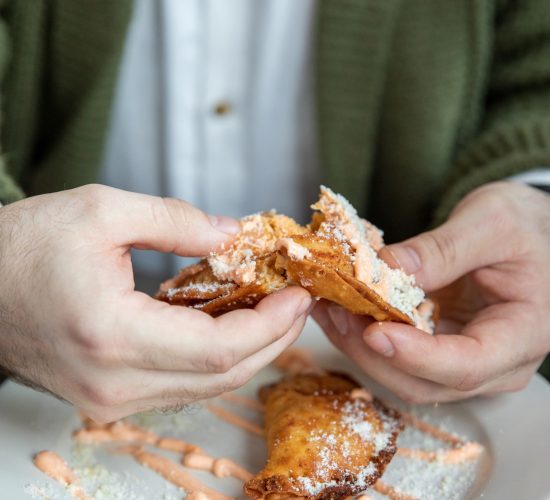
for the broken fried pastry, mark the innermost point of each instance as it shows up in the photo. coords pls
(335, 257)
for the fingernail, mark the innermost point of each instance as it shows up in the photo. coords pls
(387, 256)
(305, 307)
(225, 224)
(379, 343)
(339, 318)
(406, 257)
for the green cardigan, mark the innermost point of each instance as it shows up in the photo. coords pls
(419, 101)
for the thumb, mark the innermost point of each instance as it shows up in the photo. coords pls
(467, 241)
(168, 225)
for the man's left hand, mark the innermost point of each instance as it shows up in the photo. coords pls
(488, 267)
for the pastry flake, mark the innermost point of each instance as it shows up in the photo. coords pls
(323, 443)
(237, 276)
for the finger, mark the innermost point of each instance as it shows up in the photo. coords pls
(322, 318)
(330, 315)
(501, 339)
(407, 387)
(163, 337)
(478, 235)
(166, 224)
(164, 390)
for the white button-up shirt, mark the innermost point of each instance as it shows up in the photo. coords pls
(214, 105)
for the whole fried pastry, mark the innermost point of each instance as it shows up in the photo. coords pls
(323, 443)
(335, 257)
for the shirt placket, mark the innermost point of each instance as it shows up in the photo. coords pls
(227, 58)
(183, 50)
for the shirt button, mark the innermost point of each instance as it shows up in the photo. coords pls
(222, 108)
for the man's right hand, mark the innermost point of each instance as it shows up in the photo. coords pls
(72, 323)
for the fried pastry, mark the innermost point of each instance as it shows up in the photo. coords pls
(323, 442)
(338, 260)
(335, 257)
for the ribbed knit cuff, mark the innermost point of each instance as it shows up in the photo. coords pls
(494, 156)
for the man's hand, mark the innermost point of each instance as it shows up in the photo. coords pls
(488, 267)
(72, 323)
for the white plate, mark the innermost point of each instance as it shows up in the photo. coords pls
(514, 428)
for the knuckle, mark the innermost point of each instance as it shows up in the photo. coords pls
(219, 360)
(498, 190)
(102, 397)
(92, 190)
(502, 211)
(94, 200)
(503, 205)
(443, 246)
(236, 379)
(93, 342)
(93, 193)
(170, 211)
(469, 382)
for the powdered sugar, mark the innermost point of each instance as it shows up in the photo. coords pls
(354, 417)
(201, 288)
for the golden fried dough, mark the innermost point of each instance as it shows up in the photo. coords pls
(323, 443)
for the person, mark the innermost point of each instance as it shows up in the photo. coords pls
(445, 99)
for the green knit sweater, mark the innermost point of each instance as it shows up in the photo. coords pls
(419, 101)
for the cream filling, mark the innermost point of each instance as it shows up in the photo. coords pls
(237, 263)
(294, 250)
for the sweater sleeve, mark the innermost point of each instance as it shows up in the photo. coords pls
(9, 190)
(514, 135)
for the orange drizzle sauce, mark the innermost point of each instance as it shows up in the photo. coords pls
(197, 495)
(220, 467)
(252, 404)
(53, 465)
(173, 472)
(126, 432)
(430, 429)
(465, 453)
(235, 419)
(119, 431)
(390, 491)
(177, 445)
